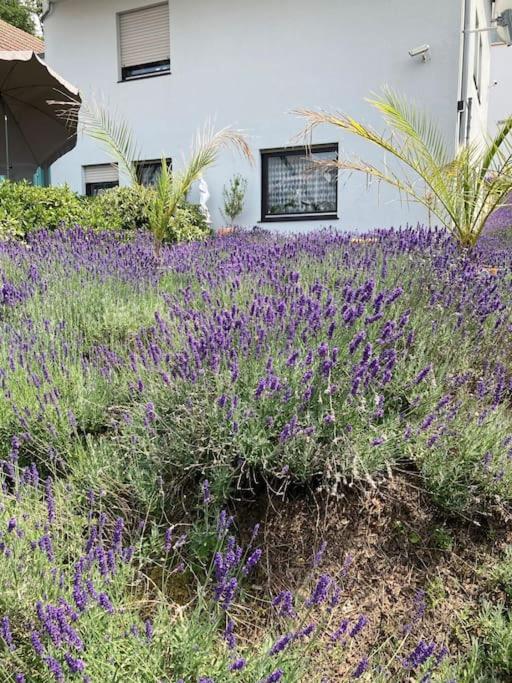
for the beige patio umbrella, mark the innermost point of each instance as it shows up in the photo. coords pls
(33, 105)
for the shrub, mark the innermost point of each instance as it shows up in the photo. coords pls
(234, 197)
(26, 207)
(188, 224)
(128, 208)
(122, 208)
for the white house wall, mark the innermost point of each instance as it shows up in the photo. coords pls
(249, 64)
(500, 94)
(478, 97)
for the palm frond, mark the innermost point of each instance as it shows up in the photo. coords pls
(462, 191)
(204, 153)
(173, 187)
(115, 136)
(429, 173)
(421, 134)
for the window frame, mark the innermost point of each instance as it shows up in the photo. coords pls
(123, 75)
(153, 162)
(127, 74)
(88, 187)
(301, 150)
(102, 185)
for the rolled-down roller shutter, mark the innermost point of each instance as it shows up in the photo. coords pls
(144, 35)
(101, 173)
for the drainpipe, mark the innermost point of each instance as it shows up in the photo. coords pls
(469, 107)
(464, 130)
(3, 110)
(47, 9)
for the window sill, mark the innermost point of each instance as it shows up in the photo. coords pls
(145, 77)
(300, 217)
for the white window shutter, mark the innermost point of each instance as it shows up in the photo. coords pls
(101, 173)
(144, 35)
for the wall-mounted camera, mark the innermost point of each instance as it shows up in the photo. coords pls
(422, 51)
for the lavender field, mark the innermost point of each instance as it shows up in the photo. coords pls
(151, 408)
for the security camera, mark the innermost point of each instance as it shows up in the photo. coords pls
(421, 51)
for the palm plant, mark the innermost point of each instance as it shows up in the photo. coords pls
(462, 191)
(172, 188)
(113, 134)
(118, 140)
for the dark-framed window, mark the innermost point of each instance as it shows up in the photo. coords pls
(148, 172)
(144, 42)
(131, 73)
(100, 177)
(94, 189)
(295, 187)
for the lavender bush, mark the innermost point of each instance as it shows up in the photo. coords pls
(126, 379)
(310, 357)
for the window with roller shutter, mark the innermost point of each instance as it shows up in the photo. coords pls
(144, 42)
(100, 177)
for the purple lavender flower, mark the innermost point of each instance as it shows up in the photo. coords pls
(55, 668)
(274, 676)
(421, 653)
(361, 668)
(228, 593)
(45, 545)
(5, 632)
(38, 646)
(358, 627)
(356, 341)
(117, 537)
(281, 644)
(238, 664)
(319, 594)
(223, 523)
(229, 635)
(168, 540)
(319, 555)
(340, 631)
(422, 374)
(285, 603)
(75, 665)
(252, 561)
(104, 601)
(304, 632)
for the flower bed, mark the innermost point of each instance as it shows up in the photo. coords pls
(317, 360)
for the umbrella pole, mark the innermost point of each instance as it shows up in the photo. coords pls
(7, 164)
(6, 132)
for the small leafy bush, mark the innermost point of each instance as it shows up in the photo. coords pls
(188, 224)
(128, 208)
(25, 207)
(234, 196)
(122, 208)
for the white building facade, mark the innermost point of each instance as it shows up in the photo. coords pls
(169, 67)
(500, 88)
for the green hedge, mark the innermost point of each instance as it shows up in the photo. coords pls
(25, 207)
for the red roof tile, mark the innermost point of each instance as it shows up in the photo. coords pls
(12, 38)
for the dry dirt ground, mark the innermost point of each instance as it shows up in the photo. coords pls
(399, 546)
